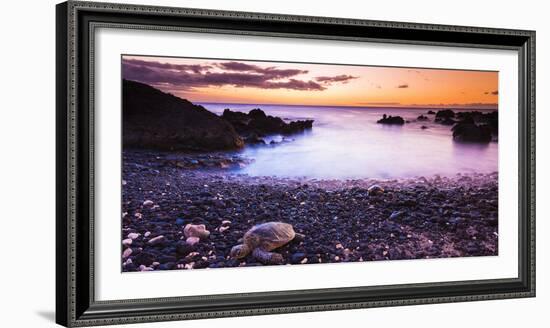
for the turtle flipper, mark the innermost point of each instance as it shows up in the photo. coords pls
(267, 257)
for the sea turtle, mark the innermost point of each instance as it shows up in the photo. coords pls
(263, 238)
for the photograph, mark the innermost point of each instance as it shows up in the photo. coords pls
(232, 163)
(240, 161)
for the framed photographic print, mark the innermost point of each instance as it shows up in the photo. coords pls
(214, 163)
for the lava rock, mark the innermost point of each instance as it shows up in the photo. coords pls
(422, 118)
(154, 119)
(391, 120)
(470, 132)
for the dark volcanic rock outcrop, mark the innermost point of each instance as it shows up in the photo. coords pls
(393, 120)
(470, 132)
(480, 118)
(257, 123)
(422, 118)
(154, 119)
(443, 114)
(445, 117)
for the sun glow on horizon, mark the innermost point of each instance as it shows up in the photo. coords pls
(258, 82)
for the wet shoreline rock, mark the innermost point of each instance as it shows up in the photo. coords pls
(391, 120)
(470, 126)
(470, 132)
(422, 118)
(256, 123)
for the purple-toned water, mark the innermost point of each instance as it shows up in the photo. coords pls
(346, 142)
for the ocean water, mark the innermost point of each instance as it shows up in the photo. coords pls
(347, 143)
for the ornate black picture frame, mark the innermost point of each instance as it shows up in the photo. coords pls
(75, 301)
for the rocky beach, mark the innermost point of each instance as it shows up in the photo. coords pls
(415, 218)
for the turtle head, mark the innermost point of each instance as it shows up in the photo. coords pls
(239, 251)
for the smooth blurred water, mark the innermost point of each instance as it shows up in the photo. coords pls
(346, 142)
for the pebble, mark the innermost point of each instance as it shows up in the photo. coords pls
(196, 230)
(127, 242)
(192, 240)
(297, 258)
(395, 215)
(157, 240)
(133, 235)
(127, 252)
(375, 190)
(148, 203)
(145, 268)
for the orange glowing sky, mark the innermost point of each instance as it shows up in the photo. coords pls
(256, 82)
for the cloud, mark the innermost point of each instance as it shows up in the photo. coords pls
(344, 78)
(232, 73)
(178, 67)
(272, 72)
(403, 86)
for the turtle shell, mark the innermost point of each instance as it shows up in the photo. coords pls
(270, 235)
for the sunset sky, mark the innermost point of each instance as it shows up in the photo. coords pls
(256, 82)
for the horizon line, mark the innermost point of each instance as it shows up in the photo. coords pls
(353, 106)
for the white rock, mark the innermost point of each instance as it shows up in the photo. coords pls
(127, 252)
(127, 242)
(147, 234)
(156, 240)
(196, 230)
(192, 254)
(148, 203)
(226, 222)
(145, 268)
(192, 240)
(133, 235)
(223, 228)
